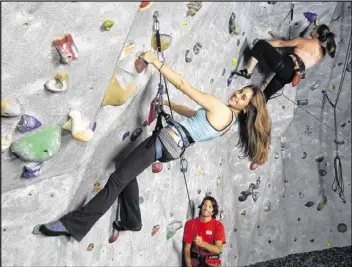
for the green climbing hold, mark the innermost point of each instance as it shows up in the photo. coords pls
(331, 88)
(107, 25)
(38, 146)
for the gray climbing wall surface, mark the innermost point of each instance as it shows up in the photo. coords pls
(281, 217)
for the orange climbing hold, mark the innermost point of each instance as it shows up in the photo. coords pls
(66, 48)
(145, 5)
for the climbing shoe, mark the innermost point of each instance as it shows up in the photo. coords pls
(243, 73)
(54, 229)
(120, 228)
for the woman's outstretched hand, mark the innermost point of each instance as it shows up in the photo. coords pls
(148, 57)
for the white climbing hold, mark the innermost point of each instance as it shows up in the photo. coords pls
(59, 83)
(79, 128)
(11, 108)
(5, 142)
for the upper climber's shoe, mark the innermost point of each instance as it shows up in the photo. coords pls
(243, 73)
(120, 228)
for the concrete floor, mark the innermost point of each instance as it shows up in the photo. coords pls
(286, 180)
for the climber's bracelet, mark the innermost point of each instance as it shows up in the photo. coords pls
(161, 66)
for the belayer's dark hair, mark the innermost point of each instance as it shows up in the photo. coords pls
(326, 35)
(213, 202)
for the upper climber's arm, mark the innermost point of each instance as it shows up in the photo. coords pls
(286, 43)
(207, 101)
(180, 109)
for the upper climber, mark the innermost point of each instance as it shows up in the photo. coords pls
(290, 68)
(213, 119)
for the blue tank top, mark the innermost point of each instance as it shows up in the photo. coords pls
(199, 127)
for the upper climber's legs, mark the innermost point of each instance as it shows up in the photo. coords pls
(130, 213)
(284, 76)
(262, 51)
(79, 222)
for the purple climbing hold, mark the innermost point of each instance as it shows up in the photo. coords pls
(32, 169)
(125, 135)
(94, 126)
(310, 16)
(238, 42)
(28, 123)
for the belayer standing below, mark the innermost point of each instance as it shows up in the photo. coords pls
(213, 119)
(204, 236)
(290, 68)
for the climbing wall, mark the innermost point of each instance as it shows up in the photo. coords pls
(74, 75)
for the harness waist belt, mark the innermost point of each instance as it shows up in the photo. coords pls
(197, 256)
(298, 61)
(185, 135)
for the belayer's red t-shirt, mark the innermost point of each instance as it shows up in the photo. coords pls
(209, 231)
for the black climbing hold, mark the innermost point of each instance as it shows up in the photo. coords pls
(343, 124)
(296, 24)
(269, 241)
(301, 195)
(302, 102)
(322, 172)
(312, 240)
(258, 226)
(319, 158)
(339, 142)
(304, 155)
(235, 230)
(136, 133)
(188, 56)
(298, 219)
(4, 229)
(342, 228)
(283, 107)
(309, 204)
(339, 64)
(295, 239)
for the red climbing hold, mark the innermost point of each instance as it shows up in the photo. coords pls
(157, 167)
(140, 65)
(144, 5)
(155, 229)
(253, 166)
(114, 237)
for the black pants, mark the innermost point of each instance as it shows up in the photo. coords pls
(281, 65)
(123, 181)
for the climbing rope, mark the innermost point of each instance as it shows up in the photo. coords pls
(338, 183)
(160, 110)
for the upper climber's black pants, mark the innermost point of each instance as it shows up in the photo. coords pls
(283, 66)
(122, 181)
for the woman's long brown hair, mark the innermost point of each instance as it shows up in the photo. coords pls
(254, 128)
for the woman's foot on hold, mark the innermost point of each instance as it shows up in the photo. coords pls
(55, 228)
(117, 225)
(244, 73)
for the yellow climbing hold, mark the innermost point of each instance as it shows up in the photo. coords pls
(90, 247)
(331, 88)
(221, 162)
(5, 142)
(328, 244)
(234, 61)
(218, 181)
(107, 25)
(97, 186)
(200, 170)
(127, 50)
(184, 24)
(117, 95)
(165, 42)
(58, 83)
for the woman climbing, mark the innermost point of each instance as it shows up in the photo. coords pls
(290, 68)
(212, 120)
